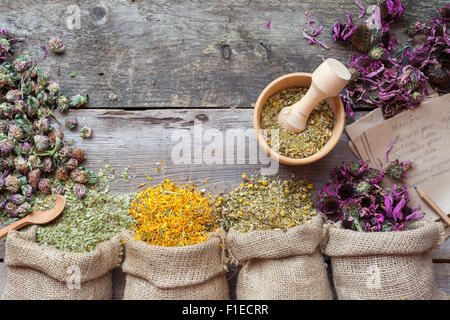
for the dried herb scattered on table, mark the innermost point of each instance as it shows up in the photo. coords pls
(356, 198)
(172, 215)
(261, 203)
(32, 145)
(302, 144)
(385, 76)
(89, 218)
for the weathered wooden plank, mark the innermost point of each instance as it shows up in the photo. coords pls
(442, 276)
(169, 54)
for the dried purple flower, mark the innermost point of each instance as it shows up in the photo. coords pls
(62, 174)
(17, 199)
(56, 45)
(62, 103)
(11, 209)
(397, 170)
(79, 190)
(23, 209)
(71, 122)
(41, 142)
(33, 177)
(78, 154)
(71, 164)
(78, 101)
(85, 132)
(47, 165)
(22, 63)
(21, 164)
(45, 186)
(79, 176)
(12, 184)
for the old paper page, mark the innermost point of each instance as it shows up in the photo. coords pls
(422, 136)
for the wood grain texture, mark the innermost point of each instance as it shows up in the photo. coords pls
(183, 54)
(442, 276)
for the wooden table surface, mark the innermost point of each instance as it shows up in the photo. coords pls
(179, 65)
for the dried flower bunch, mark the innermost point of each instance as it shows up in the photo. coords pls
(91, 216)
(172, 215)
(260, 203)
(356, 198)
(386, 78)
(32, 149)
(303, 144)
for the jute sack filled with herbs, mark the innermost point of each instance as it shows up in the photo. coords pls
(193, 272)
(174, 251)
(379, 245)
(281, 264)
(41, 272)
(384, 265)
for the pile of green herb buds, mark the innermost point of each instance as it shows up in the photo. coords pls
(32, 146)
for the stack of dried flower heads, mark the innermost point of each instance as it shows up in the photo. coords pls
(32, 149)
(392, 79)
(172, 215)
(357, 199)
(260, 203)
(91, 216)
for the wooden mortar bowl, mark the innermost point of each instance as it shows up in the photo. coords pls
(298, 79)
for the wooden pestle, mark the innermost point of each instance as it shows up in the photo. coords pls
(326, 81)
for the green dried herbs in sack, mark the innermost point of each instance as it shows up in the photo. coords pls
(192, 272)
(393, 265)
(284, 265)
(41, 272)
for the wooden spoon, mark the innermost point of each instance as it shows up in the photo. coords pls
(37, 217)
(326, 81)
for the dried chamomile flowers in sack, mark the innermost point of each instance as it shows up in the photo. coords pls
(41, 272)
(378, 247)
(175, 250)
(274, 234)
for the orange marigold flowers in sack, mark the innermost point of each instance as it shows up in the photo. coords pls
(171, 215)
(175, 250)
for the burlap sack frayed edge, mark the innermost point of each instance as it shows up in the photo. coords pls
(170, 271)
(275, 244)
(406, 242)
(29, 254)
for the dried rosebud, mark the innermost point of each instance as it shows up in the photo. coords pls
(34, 161)
(79, 176)
(78, 154)
(71, 122)
(71, 164)
(53, 88)
(21, 164)
(56, 45)
(85, 132)
(62, 103)
(11, 209)
(17, 198)
(78, 100)
(23, 209)
(42, 125)
(13, 95)
(62, 174)
(41, 142)
(80, 191)
(55, 134)
(47, 165)
(15, 131)
(33, 177)
(12, 184)
(27, 190)
(22, 63)
(45, 186)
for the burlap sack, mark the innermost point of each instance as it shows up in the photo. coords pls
(384, 265)
(281, 265)
(40, 272)
(194, 272)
